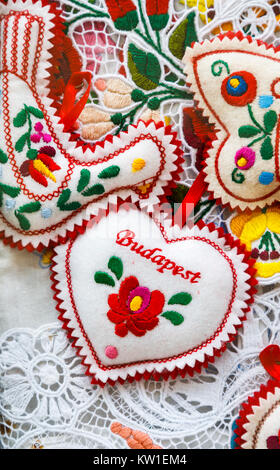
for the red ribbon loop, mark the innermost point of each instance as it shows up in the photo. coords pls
(70, 111)
(191, 199)
(270, 359)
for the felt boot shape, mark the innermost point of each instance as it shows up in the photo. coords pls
(50, 184)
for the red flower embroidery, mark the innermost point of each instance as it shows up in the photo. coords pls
(134, 308)
(239, 89)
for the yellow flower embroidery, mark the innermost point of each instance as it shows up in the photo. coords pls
(202, 5)
(144, 188)
(263, 228)
(138, 164)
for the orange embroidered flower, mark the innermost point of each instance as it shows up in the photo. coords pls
(135, 308)
(41, 167)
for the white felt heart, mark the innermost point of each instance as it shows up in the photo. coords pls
(141, 299)
(258, 426)
(235, 81)
(51, 185)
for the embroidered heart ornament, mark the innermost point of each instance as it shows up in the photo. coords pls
(51, 184)
(143, 299)
(242, 102)
(258, 425)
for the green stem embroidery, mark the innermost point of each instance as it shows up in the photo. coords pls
(143, 19)
(267, 241)
(28, 208)
(255, 141)
(221, 64)
(160, 52)
(277, 238)
(251, 114)
(158, 40)
(23, 117)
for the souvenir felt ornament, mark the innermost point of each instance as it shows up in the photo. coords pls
(236, 84)
(259, 230)
(142, 299)
(258, 425)
(51, 184)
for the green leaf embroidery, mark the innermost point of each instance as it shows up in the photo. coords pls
(183, 36)
(237, 176)
(32, 154)
(248, 131)
(72, 206)
(21, 142)
(20, 118)
(62, 200)
(267, 149)
(10, 190)
(3, 157)
(103, 278)
(23, 221)
(30, 207)
(116, 266)
(182, 298)
(84, 180)
(64, 197)
(144, 68)
(158, 21)
(128, 22)
(269, 120)
(175, 317)
(109, 172)
(36, 112)
(93, 190)
(1, 198)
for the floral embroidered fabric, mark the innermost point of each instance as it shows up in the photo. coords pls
(45, 398)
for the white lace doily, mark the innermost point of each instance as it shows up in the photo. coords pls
(45, 398)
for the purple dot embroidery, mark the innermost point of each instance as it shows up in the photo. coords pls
(248, 154)
(142, 292)
(272, 442)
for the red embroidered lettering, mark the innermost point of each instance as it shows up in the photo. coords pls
(126, 238)
(125, 235)
(168, 265)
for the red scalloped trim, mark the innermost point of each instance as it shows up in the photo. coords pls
(165, 374)
(56, 51)
(213, 136)
(174, 175)
(247, 409)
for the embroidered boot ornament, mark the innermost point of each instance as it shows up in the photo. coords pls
(51, 185)
(142, 299)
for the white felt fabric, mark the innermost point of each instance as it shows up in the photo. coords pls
(264, 64)
(202, 316)
(50, 220)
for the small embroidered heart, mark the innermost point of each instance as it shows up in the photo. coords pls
(143, 299)
(241, 165)
(258, 425)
